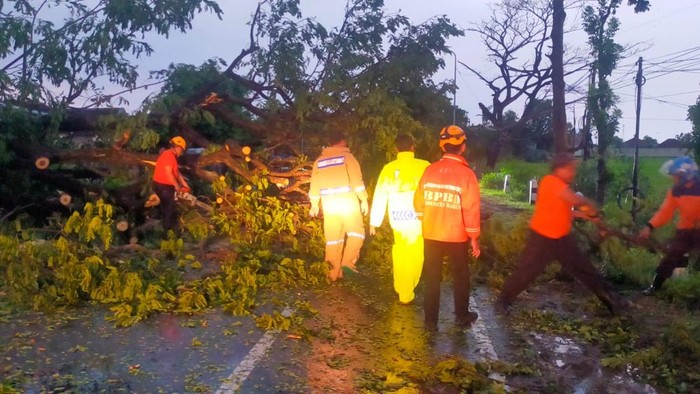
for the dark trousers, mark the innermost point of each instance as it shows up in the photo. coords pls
(458, 255)
(168, 211)
(682, 243)
(539, 252)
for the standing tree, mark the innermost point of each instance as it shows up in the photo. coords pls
(694, 118)
(558, 86)
(517, 30)
(601, 25)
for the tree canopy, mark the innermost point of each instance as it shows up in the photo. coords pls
(56, 51)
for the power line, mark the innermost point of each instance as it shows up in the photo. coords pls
(661, 17)
(658, 119)
(680, 94)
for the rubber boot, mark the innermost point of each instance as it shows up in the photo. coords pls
(655, 286)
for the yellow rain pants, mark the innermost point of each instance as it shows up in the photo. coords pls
(394, 193)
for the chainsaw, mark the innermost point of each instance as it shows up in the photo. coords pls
(186, 196)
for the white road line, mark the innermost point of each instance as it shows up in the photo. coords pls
(484, 344)
(240, 374)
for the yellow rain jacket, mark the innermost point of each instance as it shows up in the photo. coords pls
(396, 186)
(336, 181)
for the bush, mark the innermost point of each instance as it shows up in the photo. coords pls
(492, 180)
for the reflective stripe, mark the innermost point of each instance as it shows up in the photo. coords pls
(336, 242)
(360, 189)
(453, 188)
(335, 190)
(471, 229)
(356, 235)
(331, 162)
(407, 215)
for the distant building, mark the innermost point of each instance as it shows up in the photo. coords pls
(669, 148)
(671, 143)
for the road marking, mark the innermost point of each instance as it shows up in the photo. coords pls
(484, 344)
(240, 374)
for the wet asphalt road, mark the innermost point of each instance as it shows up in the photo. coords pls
(80, 351)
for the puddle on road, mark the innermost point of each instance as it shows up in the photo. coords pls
(577, 365)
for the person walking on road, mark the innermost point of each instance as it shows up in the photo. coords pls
(394, 192)
(167, 181)
(550, 237)
(336, 183)
(684, 197)
(447, 202)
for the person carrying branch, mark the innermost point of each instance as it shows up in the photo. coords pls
(336, 183)
(550, 237)
(394, 192)
(683, 197)
(448, 203)
(167, 181)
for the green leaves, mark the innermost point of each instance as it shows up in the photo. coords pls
(94, 39)
(694, 117)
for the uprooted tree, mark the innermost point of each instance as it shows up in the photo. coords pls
(370, 77)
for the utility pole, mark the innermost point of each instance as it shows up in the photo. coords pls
(639, 81)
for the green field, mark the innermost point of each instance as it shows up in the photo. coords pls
(652, 183)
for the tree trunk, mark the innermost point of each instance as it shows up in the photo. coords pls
(493, 152)
(558, 87)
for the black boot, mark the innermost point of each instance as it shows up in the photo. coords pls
(655, 285)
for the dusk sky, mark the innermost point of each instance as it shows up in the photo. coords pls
(668, 33)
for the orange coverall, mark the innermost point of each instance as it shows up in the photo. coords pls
(336, 180)
(684, 198)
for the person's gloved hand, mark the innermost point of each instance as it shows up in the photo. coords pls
(313, 211)
(590, 211)
(364, 207)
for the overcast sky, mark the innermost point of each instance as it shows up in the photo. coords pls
(668, 29)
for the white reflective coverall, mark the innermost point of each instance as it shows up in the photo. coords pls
(336, 180)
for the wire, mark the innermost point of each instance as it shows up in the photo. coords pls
(659, 119)
(662, 17)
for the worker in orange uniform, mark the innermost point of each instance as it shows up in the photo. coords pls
(336, 182)
(550, 237)
(448, 203)
(684, 197)
(395, 188)
(167, 181)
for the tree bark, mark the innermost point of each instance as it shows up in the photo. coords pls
(558, 87)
